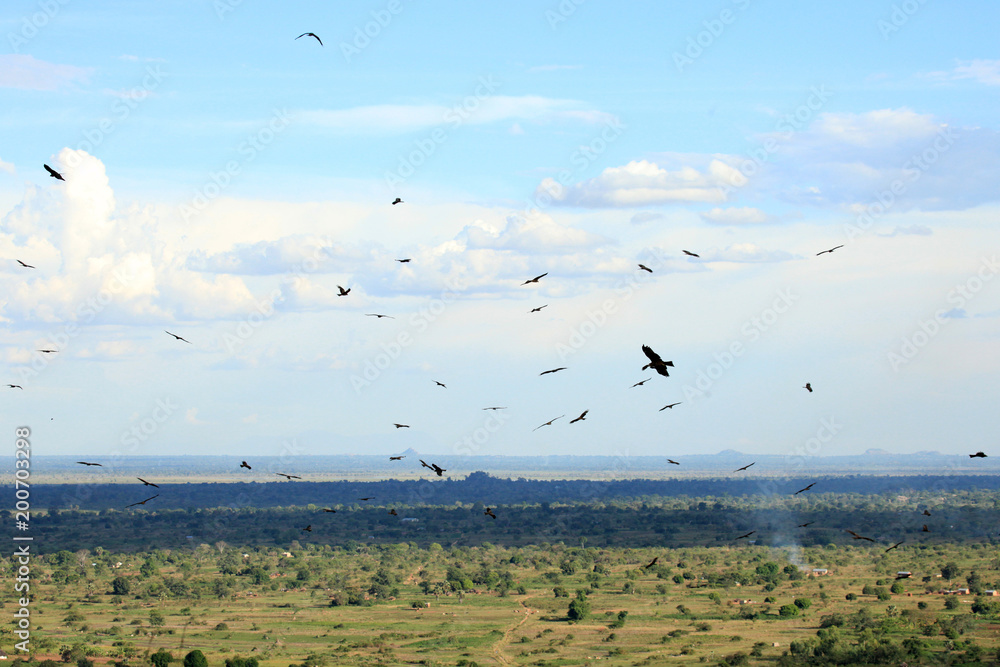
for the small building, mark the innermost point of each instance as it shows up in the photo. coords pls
(820, 572)
(992, 593)
(903, 574)
(3, 656)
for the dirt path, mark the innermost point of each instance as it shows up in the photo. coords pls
(504, 641)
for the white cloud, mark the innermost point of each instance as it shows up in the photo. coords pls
(747, 253)
(6, 166)
(916, 230)
(642, 217)
(736, 216)
(28, 73)
(983, 71)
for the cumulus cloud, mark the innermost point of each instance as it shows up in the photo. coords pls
(28, 73)
(736, 216)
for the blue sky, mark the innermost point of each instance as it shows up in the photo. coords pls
(223, 178)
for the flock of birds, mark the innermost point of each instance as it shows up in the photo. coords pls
(655, 362)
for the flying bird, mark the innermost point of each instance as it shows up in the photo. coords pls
(84, 463)
(548, 423)
(639, 384)
(745, 467)
(651, 563)
(368, 498)
(671, 406)
(331, 511)
(246, 465)
(977, 455)
(401, 425)
(672, 461)
(894, 546)
(808, 385)
(535, 310)
(687, 252)
(142, 502)
(495, 408)
(379, 316)
(489, 512)
(535, 279)
(53, 173)
(925, 529)
(344, 292)
(27, 266)
(311, 34)
(393, 512)
(396, 458)
(655, 362)
(440, 384)
(179, 337)
(15, 386)
(830, 250)
(403, 261)
(308, 529)
(645, 268)
(147, 483)
(281, 474)
(424, 464)
(927, 512)
(438, 469)
(747, 535)
(582, 417)
(803, 525)
(805, 489)
(397, 200)
(47, 351)
(859, 537)
(554, 370)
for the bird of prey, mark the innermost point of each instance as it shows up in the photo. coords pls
(344, 292)
(440, 384)
(246, 465)
(686, 252)
(489, 512)
(655, 362)
(808, 386)
(397, 200)
(403, 261)
(15, 386)
(925, 529)
(438, 469)
(396, 458)
(142, 502)
(378, 315)
(894, 546)
(178, 337)
(747, 535)
(424, 464)
(535, 310)
(803, 525)
(495, 408)
(147, 483)
(651, 563)
(311, 34)
(27, 266)
(53, 173)
(745, 467)
(393, 512)
(672, 461)
(401, 425)
(331, 511)
(47, 351)
(549, 423)
(927, 512)
(645, 268)
(859, 537)
(639, 384)
(805, 489)
(281, 474)
(671, 406)
(977, 455)
(554, 370)
(84, 463)
(535, 279)
(830, 250)
(903, 575)
(582, 417)
(368, 498)
(308, 529)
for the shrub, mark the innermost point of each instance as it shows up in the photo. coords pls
(788, 611)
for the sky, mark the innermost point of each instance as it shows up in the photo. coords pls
(223, 178)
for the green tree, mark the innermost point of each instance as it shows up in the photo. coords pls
(579, 608)
(195, 659)
(120, 586)
(156, 619)
(161, 658)
(950, 571)
(788, 611)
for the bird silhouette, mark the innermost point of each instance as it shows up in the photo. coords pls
(671, 406)
(495, 408)
(925, 529)
(47, 351)
(535, 310)
(246, 465)
(27, 266)
(554, 370)
(440, 384)
(747, 535)
(396, 458)
(687, 252)
(368, 498)
(15, 386)
(393, 512)
(645, 268)
(650, 563)
(803, 525)
(977, 455)
(311, 34)
(535, 279)
(397, 200)
(830, 250)
(378, 315)
(281, 474)
(639, 384)
(808, 385)
(425, 464)
(331, 511)
(401, 425)
(859, 537)
(745, 467)
(672, 461)
(147, 483)
(805, 489)
(438, 469)
(894, 546)
(344, 292)
(655, 362)
(178, 337)
(489, 512)
(53, 173)
(548, 423)
(308, 529)
(142, 502)
(927, 513)
(404, 261)
(84, 463)
(582, 417)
